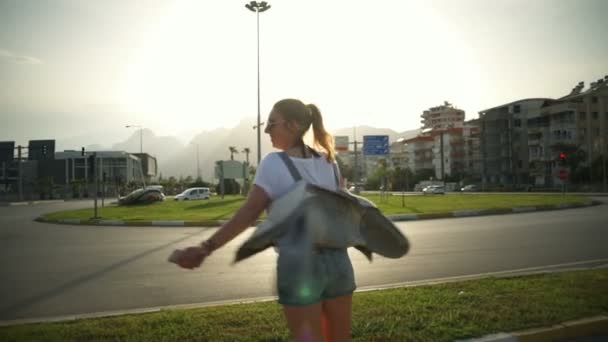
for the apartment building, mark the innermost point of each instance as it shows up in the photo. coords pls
(471, 132)
(399, 155)
(441, 146)
(442, 117)
(448, 152)
(504, 141)
(575, 124)
(420, 152)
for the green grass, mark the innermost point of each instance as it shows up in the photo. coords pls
(203, 210)
(439, 203)
(218, 209)
(442, 312)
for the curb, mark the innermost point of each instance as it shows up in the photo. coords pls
(586, 327)
(394, 218)
(12, 204)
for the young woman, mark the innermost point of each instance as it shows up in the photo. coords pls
(323, 309)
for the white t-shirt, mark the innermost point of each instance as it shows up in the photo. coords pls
(273, 175)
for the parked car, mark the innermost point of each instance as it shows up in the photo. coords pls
(469, 188)
(355, 188)
(194, 194)
(434, 189)
(142, 196)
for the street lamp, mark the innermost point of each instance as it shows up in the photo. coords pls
(258, 7)
(141, 131)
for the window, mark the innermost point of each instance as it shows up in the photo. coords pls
(517, 123)
(581, 115)
(594, 99)
(516, 108)
(594, 115)
(519, 164)
(597, 132)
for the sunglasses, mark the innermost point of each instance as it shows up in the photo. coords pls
(271, 124)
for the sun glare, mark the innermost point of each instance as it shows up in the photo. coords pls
(176, 70)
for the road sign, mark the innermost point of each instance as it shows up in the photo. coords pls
(563, 174)
(341, 143)
(375, 145)
(232, 169)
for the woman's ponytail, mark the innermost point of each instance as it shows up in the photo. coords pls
(321, 137)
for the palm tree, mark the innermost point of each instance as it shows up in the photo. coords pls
(233, 150)
(246, 150)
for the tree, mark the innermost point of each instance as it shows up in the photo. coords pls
(401, 179)
(233, 150)
(423, 175)
(380, 177)
(246, 150)
(345, 170)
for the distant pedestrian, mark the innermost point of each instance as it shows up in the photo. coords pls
(324, 309)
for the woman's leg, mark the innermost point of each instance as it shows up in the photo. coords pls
(304, 322)
(337, 314)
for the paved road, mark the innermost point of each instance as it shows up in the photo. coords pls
(54, 270)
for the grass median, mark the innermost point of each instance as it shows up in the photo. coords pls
(443, 312)
(222, 209)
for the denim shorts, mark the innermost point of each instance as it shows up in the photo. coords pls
(326, 274)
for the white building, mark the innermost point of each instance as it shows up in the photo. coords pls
(442, 117)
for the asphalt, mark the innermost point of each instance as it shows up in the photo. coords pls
(591, 329)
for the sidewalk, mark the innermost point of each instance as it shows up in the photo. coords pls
(395, 218)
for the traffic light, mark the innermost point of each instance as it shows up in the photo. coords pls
(82, 152)
(562, 158)
(44, 150)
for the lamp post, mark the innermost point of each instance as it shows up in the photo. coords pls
(258, 7)
(141, 131)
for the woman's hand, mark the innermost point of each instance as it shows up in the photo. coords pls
(191, 257)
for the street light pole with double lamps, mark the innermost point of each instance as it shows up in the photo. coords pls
(141, 139)
(258, 7)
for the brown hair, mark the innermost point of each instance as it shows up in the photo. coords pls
(305, 116)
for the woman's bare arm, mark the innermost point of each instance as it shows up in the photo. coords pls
(248, 213)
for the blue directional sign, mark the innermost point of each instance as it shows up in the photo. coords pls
(375, 145)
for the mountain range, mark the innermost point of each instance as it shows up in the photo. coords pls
(178, 159)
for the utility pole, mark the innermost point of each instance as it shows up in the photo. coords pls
(20, 170)
(442, 162)
(356, 170)
(605, 189)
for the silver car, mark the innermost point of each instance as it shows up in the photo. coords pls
(434, 190)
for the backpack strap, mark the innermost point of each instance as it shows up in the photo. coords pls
(336, 175)
(290, 166)
(296, 174)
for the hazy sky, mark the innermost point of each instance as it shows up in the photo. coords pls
(79, 67)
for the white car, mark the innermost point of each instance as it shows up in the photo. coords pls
(434, 189)
(194, 194)
(469, 188)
